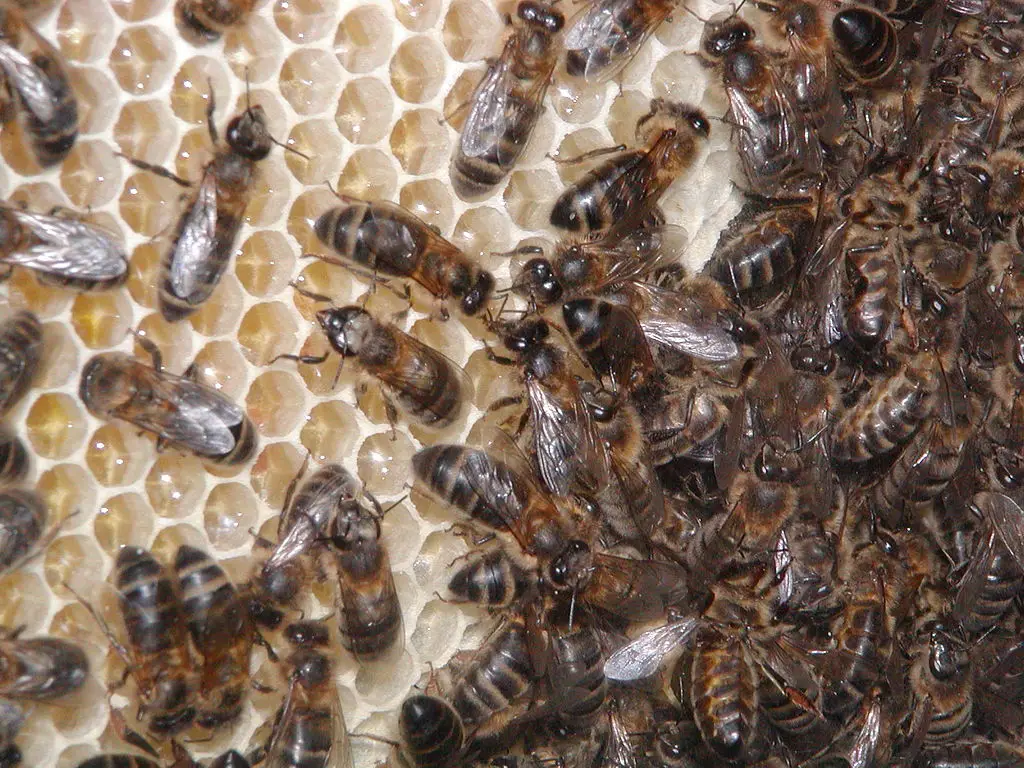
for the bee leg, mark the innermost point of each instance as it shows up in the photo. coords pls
(309, 294)
(159, 170)
(151, 349)
(119, 649)
(392, 413)
(306, 359)
(495, 358)
(211, 107)
(504, 402)
(260, 640)
(594, 153)
(129, 735)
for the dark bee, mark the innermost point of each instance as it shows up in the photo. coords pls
(493, 578)
(605, 36)
(62, 250)
(218, 621)
(577, 663)
(41, 668)
(507, 102)
(389, 240)
(23, 520)
(180, 411)
(941, 679)
(12, 718)
(866, 44)
(627, 187)
(35, 71)
(21, 349)
(686, 422)
(974, 754)
(14, 461)
(118, 761)
(204, 21)
(612, 340)
(432, 732)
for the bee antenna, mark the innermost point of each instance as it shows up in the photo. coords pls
(287, 148)
(248, 101)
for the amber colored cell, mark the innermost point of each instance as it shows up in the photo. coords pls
(172, 339)
(85, 30)
(321, 145)
(97, 99)
(220, 365)
(627, 108)
(142, 130)
(369, 174)
(275, 468)
(26, 292)
(490, 381)
(230, 512)
(275, 403)
(37, 196)
(330, 432)
(55, 425)
(303, 21)
(430, 200)
(169, 540)
(420, 141)
(116, 455)
(71, 561)
(269, 195)
(74, 622)
(574, 146)
(141, 60)
(459, 99)
(60, 357)
(482, 233)
(303, 215)
(138, 10)
(305, 80)
(144, 272)
(190, 91)
(220, 313)
(576, 102)
(101, 320)
(15, 146)
(364, 111)
(328, 377)
(253, 49)
(324, 279)
(123, 520)
(149, 204)
(417, 15)
(417, 70)
(363, 39)
(265, 263)
(529, 197)
(24, 600)
(267, 330)
(67, 489)
(194, 153)
(384, 463)
(175, 484)
(472, 30)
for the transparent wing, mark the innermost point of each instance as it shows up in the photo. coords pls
(31, 83)
(1007, 518)
(311, 512)
(642, 658)
(619, 752)
(504, 491)
(865, 744)
(639, 253)
(639, 590)
(674, 320)
(418, 382)
(606, 35)
(975, 576)
(196, 241)
(70, 248)
(493, 109)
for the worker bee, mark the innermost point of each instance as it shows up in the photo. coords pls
(40, 668)
(118, 761)
(12, 718)
(576, 664)
(941, 679)
(421, 381)
(14, 460)
(309, 728)
(389, 240)
(492, 577)
(686, 421)
(432, 732)
(178, 410)
(507, 102)
(218, 621)
(866, 44)
(206, 232)
(612, 341)
(625, 189)
(204, 21)
(368, 608)
(606, 35)
(62, 250)
(973, 753)
(21, 349)
(34, 70)
(23, 520)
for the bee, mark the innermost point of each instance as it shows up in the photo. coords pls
(979, 753)
(35, 71)
(371, 617)
(62, 250)
(873, 261)
(686, 421)
(205, 21)
(432, 732)
(493, 578)
(40, 668)
(804, 561)
(218, 621)
(118, 761)
(21, 349)
(612, 341)
(14, 462)
(309, 728)
(576, 664)
(23, 520)
(12, 718)
(421, 381)
(507, 102)
(605, 36)
(867, 44)
(206, 232)
(389, 240)
(941, 679)
(626, 188)
(180, 411)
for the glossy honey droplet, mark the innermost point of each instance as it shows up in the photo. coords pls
(101, 320)
(67, 490)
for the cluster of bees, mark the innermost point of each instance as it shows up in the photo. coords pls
(767, 514)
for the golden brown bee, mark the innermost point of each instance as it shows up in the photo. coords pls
(577, 662)
(23, 520)
(419, 380)
(41, 668)
(872, 311)
(61, 250)
(612, 341)
(21, 348)
(204, 21)
(387, 239)
(866, 43)
(507, 102)
(218, 621)
(432, 732)
(35, 71)
(368, 608)
(179, 411)
(942, 681)
(14, 460)
(686, 421)
(626, 188)
(606, 35)
(493, 578)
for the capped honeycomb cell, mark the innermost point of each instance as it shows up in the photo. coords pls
(678, 76)
(626, 110)
(417, 70)
(430, 200)
(221, 312)
(191, 89)
(229, 514)
(304, 78)
(123, 520)
(417, 15)
(172, 339)
(275, 467)
(265, 263)
(141, 60)
(491, 382)
(67, 490)
(369, 174)
(55, 425)
(116, 455)
(472, 30)
(220, 365)
(529, 197)
(303, 21)
(330, 432)
(85, 30)
(60, 359)
(384, 462)
(253, 49)
(267, 330)
(364, 111)
(275, 403)
(434, 628)
(101, 320)
(322, 146)
(175, 484)
(386, 679)
(141, 130)
(419, 141)
(363, 39)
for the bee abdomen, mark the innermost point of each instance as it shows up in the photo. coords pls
(151, 614)
(311, 739)
(23, 516)
(212, 607)
(118, 761)
(505, 673)
(491, 578)
(724, 697)
(867, 43)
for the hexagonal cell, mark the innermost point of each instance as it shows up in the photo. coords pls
(325, 279)
(138, 10)
(275, 403)
(440, 335)
(434, 633)
(172, 339)
(481, 232)
(472, 30)
(97, 98)
(368, 174)
(265, 263)
(377, 683)
(144, 130)
(74, 622)
(679, 76)
(267, 330)
(303, 215)
(38, 196)
(303, 21)
(384, 463)
(460, 97)
(306, 79)
(330, 432)
(576, 102)
(91, 174)
(363, 39)
(144, 273)
(220, 365)
(194, 152)
(169, 540)
(149, 204)
(71, 561)
(116, 455)
(231, 510)
(322, 146)
(429, 199)
(269, 195)
(420, 141)
(123, 520)
(253, 49)
(491, 382)
(328, 377)
(24, 600)
(190, 91)
(627, 108)
(276, 467)
(439, 549)
(101, 320)
(85, 30)
(529, 197)
(175, 484)
(60, 357)
(364, 111)
(417, 15)
(66, 489)
(220, 313)
(680, 30)
(417, 70)
(575, 145)
(26, 292)
(141, 60)
(55, 425)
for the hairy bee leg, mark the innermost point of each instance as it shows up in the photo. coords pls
(159, 170)
(592, 154)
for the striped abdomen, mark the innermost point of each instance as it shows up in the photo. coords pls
(23, 517)
(723, 694)
(14, 460)
(489, 578)
(501, 673)
(601, 197)
(577, 662)
(871, 313)
(371, 617)
(209, 19)
(21, 342)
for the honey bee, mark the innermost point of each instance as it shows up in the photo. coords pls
(493, 578)
(612, 341)
(432, 732)
(421, 381)
(371, 617)
(218, 621)
(686, 421)
(507, 102)
(23, 519)
(605, 36)
(309, 728)
(804, 561)
(21, 349)
(35, 71)
(118, 761)
(12, 717)
(625, 188)
(180, 411)
(40, 668)
(62, 250)
(576, 664)
(866, 44)
(941, 679)
(205, 21)
(977, 753)
(14, 460)
(389, 240)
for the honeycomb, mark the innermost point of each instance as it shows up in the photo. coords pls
(370, 93)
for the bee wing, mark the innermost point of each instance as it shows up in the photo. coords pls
(642, 657)
(504, 490)
(619, 751)
(493, 109)
(33, 84)
(639, 253)
(418, 383)
(341, 748)
(975, 576)
(865, 743)
(70, 248)
(301, 530)
(784, 660)
(190, 256)
(598, 29)
(673, 320)
(638, 590)
(1007, 518)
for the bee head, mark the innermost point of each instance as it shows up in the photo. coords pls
(107, 383)
(248, 134)
(308, 634)
(346, 328)
(572, 568)
(537, 280)
(724, 34)
(526, 334)
(478, 295)
(540, 15)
